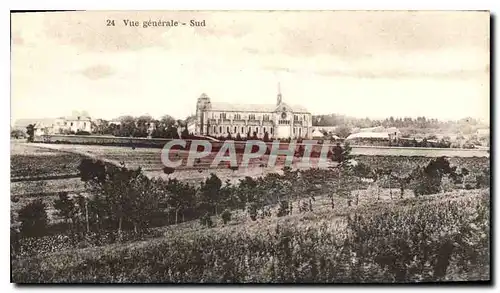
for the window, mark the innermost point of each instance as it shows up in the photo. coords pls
(271, 131)
(71, 123)
(264, 130)
(228, 129)
(237, 117)
(220, 129)
(235, 130)
(84, 124)
(251, 117)
(222, 115)
(242, 129)
(215, 129)
(265, 117)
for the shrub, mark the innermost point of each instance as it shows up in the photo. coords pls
(226, 216)
(252, 211)
(33, 218)
(206, 220)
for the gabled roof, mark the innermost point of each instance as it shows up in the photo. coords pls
(381, 135)
(317, 133)
(23, 123)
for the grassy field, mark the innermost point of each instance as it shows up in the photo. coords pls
(28, 162)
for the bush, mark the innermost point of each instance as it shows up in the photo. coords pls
(226, 216)
(33, 218)
(252, 211)
(206, 220)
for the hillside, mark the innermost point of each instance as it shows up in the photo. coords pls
(305, 247)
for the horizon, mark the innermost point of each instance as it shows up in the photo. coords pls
(368, 64)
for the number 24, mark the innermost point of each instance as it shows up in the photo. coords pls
(110, 22)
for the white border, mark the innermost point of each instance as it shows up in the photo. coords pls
(492, 5)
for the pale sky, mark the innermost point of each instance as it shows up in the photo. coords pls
(362, 64)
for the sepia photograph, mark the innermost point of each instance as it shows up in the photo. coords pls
(245, 147)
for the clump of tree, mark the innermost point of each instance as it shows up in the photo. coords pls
(30, 132)
(33, 218)
(430, 176)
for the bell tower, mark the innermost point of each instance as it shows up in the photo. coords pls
(202, 105)
(279, 98)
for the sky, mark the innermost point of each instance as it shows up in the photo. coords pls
(362, 64)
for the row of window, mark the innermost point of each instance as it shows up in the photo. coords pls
(265, 117)
(244, 130)
(71, 124)
(241, 130)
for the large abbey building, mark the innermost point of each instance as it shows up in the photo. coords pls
(278, 120)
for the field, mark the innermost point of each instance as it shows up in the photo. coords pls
(149, 159)
(374, 235)
(28, 162)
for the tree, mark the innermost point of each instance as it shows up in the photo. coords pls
(343, 131)
(30, 131)
(92, 170)
(16, 133)
(431, 175)
(266, 136)
(168, 170)
(206, 220)
(252, 211)
(210, 191)
(33, 218)
(226, 216)
(185, 132)
(65, 208)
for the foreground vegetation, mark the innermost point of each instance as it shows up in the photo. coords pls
(425, 240)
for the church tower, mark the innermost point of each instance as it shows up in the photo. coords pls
(279, 98)
(202, 105)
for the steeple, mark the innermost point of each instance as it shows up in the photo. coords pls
(279, 95)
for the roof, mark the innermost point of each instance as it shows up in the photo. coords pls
(372, 129)
(23, 123)
(220, 106)
(379, 129)
(317, 133)
(380, 135)
(77, 118)
(326, 128)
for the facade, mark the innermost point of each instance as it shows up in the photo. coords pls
(277, 120)
(72, 124)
